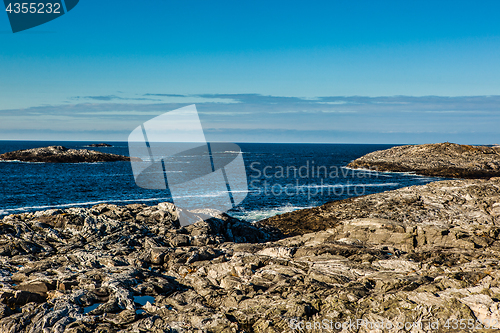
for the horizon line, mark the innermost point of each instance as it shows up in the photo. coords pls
(236, 142)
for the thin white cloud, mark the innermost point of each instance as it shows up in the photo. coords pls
(252, 112)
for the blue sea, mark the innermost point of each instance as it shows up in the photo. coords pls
(281, 178)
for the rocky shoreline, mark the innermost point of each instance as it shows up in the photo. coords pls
(60, 154)
(446, 160)
(421, 253)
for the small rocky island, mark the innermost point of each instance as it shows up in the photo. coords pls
(441, 159)
(60, 154)
(95, 145)
(420, 254)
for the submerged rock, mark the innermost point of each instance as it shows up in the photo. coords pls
(420, 254)
(441, 159)
(60, 154)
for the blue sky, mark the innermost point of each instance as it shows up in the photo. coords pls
(277, 71)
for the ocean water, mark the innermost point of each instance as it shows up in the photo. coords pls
(280, 177)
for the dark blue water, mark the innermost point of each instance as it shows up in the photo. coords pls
(281, 178)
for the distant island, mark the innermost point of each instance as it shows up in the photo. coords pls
(447, 159)
(60, 154)
(94, 145)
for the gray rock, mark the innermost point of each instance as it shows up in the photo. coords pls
(418, 253)
(60, 154)
(441, 159)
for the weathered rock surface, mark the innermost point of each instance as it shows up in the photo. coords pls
(454, 202)
(417, 254)
(100, 145)
(441, 159)
(60, 154)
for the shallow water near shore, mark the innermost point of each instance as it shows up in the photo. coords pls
(280, 177)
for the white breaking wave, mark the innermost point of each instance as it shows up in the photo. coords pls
(374, 172)
(229, 152)
(77, 204)
(410, 173)
(17, 161)
(381, 173)
(428, 179)
(344, 186)
(211, 195)
(387, 173)
(261, 214)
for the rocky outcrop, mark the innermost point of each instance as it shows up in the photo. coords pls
(111, 268)
(60, 154)
(422, 254)
(441, 159)
(465, 203)
(100, 145)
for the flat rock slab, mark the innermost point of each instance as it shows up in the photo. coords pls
(60, 154)
(448, 160)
